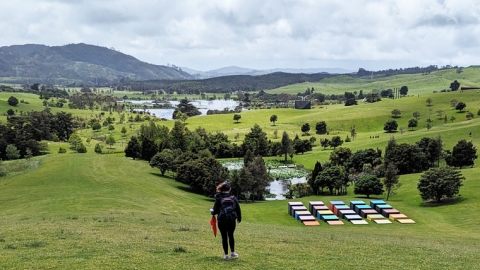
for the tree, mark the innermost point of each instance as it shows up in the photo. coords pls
(313, 175)
(350, 102)
(148, 148)
(340, 156)
(429, 101)
(453, 102)
(12, 152)
(273, 119)
(312, 140)
(333, 177)
(81, 148)
(297, 145)
(237, 117)
(432, 148)
(404, 90)
(324, 142)
(74, 141)
(286, 145)
(110, 140)
(390, 126)
(12, 101)
(181, 116)
(440, 114)
(437, 183)
(460, 106)
(305, 128)
(133, 149)
(256, 140)
(407, 157)
(455, 85)
(365, 156)
(463, 154)
(469, 115)
(396, 113)
(202, 174)
(321, 127)
(64, 125)
(98, 148)
(178, 137)
(368, 184)
(261, 179)
(10, 112)
(336, 141)
(416, 115)
(412, 123)
(163, 161)
(124, 131)
(390, 180)
(353, 132)
(452, 118)
(185, 107)
(96, 126)
(429, 124)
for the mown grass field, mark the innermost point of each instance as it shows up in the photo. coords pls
(89, 211)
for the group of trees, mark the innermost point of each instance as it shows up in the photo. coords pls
(224, 84)
(92, 101)
(169, 150)
(185, 108)
(390, 72)
(27, 130)
(373, 175)
(344, 168)
(202, 172)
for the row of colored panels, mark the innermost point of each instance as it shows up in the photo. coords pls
(378, 211)
(298, 211)
(353, 213)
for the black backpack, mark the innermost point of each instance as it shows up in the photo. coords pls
(228, 208)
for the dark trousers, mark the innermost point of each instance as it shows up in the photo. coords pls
(227, 228)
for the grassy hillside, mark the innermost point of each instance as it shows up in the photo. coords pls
(417, 83)
(89, 211)
(102, 212)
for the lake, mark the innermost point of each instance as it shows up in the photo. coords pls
(202, 105)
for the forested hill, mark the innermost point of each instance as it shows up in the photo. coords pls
(225, 84)
(78, 63)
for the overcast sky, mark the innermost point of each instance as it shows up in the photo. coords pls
(260, 34)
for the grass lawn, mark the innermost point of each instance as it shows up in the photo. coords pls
(90, 211)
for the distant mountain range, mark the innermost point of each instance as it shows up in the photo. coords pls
(95, 65)
(234, 70)
(79, 63)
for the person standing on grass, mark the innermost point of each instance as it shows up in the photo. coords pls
(227, 208)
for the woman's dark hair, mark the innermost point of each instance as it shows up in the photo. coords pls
(222, 187)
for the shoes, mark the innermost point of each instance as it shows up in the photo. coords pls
(225, 257)
(234, 255)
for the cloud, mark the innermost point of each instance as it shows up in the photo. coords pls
(258, 34)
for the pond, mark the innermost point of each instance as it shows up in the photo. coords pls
(282, 173)
(202, 105)
(279, 187)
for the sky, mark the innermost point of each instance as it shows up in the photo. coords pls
(259, 34)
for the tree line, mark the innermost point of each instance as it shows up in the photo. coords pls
(24, 132)
(364, 168)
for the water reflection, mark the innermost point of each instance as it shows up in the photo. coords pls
(279, 187)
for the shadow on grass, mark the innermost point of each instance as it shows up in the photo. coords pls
(444, 201)
(164, 176)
